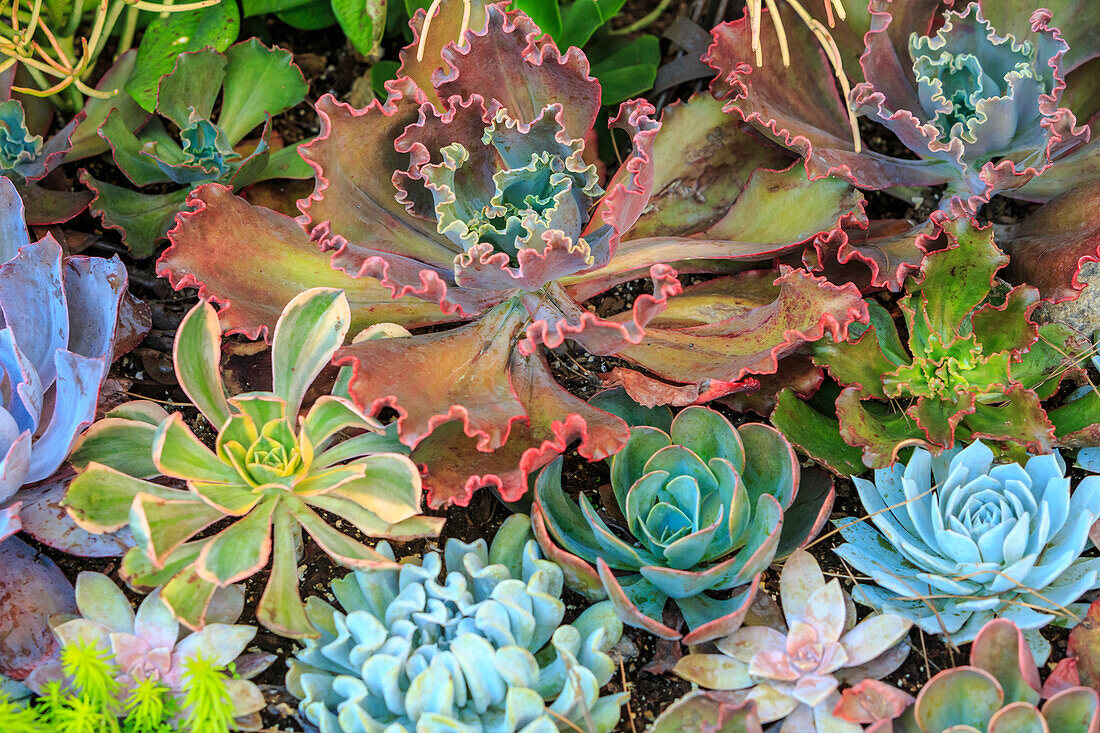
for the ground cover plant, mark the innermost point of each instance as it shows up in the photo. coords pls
(533, 366)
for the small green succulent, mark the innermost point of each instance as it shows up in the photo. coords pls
(269, 473)
(704, 505)
(483, 649)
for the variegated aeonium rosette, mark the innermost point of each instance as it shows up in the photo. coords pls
(961, 540)
(979, 102)
(468, 196)
(483, 649)
(703, 504)
(269, 473)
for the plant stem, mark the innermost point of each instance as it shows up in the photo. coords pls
(644, 21)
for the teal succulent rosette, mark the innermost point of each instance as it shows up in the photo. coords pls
(699, 510)
(484, 648)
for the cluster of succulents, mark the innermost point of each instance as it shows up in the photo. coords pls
(483, 648)
(465, 285)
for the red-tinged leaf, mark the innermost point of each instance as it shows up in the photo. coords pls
(45, 206)
(188, 597)
(455, 467)
(871, 701)
(33, 588)
(556, 316)
(1049, 247)
(626, 608)
(422, 58)
(700, 164)
(816, 434)
(806, 309)
(938, 418)
(1020, 419)
(511, 61)
(354, 208)
(956, 279)
(706, 711)
(861, 363)
(799, 105)
(253, 261)
(651, 392)
(580, 576)
(629, 189)
(880, 438)
(1063, 677)
(1007, 327)
(461, 374)
(891, 249)
(797, 373)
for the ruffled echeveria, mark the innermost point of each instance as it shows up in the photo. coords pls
(998, 692)
(704, 505)
(253, 83)
(482, 649)
(961, 539)
(972, 364)
(794, 673)
(979, 103)
(148, 645)
(272, 469)
(467, 197)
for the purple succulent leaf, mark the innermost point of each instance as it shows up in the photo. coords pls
(9, 521)
(94, 288)
(17, 460)
(34, 589)
(75, 398)
(40, 325)
(13, 230)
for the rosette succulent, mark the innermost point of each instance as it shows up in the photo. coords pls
(269, 472)
(253, 84)
(794, 673)
(960, 540)
(467, 197)
(701, 505)
(148, 646)
(998, 692)
(483, 648)
(973, 364)
(979, 103)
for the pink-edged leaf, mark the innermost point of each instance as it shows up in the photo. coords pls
(484, 268)
(650, 392)
(800, 107)
(556, 316)
(252, 261)
(629, 189)
(1049, 247)
(1084, 647)
(700, 164)
(1074, 19)
(240, 550)
(46, 520)
(626, 608)
(1001, 649)
(807, 308)
(1062, 677)
(461, 374)
(871, 701)
(707, 712)
(33, 589)
(46, 206)
(579, 575)
(354, 208)
(555, 419)
(891, 250)
(511, 61)
(9, 521)
(422, 60)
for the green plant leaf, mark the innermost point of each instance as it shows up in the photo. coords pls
(189, 90)
(143, 219)
(124, 445)
(259, 7)
(197, 355)
(171, 34)
(583, 18)
(310, 330)
(309, 17)
(99, 498)
(126, 149)
(239, 550)
(281, 608)
(629, 71)
(545, 13)
(816, 434)
(363, 22)
(259, 81)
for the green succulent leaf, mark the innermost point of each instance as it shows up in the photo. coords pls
(362, 22)
(99, 497)
(124, 445)
(311, 329)
(816, 434)
(188, 92)
(259, 82)
(197, 358)
(281, 608)
(172, 34)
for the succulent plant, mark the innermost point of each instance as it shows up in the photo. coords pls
(148, 645)
(979, 103)
(466, 198)
(794, 673)
(998, 692)
(973, 365)
(482, 649)
(254, 83)
(961, 540)
(703, 503)
(269, 473)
